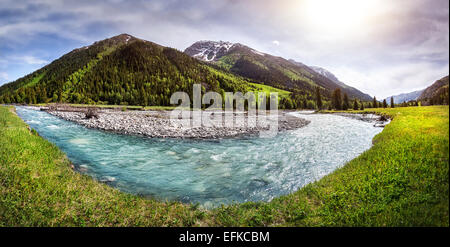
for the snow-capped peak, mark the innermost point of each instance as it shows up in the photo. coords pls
(325, 73)
(208, 50)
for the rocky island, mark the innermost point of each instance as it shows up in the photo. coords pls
(159, 123)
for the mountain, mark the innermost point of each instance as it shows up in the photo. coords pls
(267, 69)
(325, 73)
(405, 97)
(332, 77)
(207, 50)
(120, 70)
(437, 93)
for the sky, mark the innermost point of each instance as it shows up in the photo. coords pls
(381, 47)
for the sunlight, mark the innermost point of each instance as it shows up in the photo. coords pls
(344, 16)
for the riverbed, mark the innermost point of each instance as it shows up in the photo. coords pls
(209, 172)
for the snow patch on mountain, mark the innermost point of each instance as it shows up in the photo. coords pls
(332, 77)
(257, 52)
(325, 73)
(208, 50)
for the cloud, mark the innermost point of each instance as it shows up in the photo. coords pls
(32, 60)
(389, 80)
(401, 45)
(26, 59)
(3, 76)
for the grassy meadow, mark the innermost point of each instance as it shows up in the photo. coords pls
(403, 180)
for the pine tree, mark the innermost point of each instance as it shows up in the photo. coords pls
(318, 99)
(346, 103)
(384, 103)
(336, 99)
(288, 104)
(392, 102)
(355, 105)
(362, 105)
(375, 103)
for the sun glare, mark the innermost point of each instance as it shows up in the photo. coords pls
(338, 16)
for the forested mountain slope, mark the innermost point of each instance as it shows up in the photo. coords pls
(267, 69)
(120, 70)
(437, 93)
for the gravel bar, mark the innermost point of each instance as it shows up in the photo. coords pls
(158, 123)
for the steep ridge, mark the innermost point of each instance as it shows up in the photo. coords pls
(331, 76)
(119, 70)
(437, 93)
(267, 69)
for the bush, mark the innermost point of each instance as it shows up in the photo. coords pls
(92, 112)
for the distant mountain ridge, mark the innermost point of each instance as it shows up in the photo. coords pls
(332, 77)
(267, 69)
(405, 97)
(326, 73)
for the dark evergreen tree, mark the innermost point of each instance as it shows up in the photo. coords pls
(355, 105)
(384, 103)
(392, 102)
(336, 99)
(375, 102)
(346, 103)
(318, 99)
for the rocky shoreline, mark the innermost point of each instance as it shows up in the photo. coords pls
(159, 124)
(377, 120)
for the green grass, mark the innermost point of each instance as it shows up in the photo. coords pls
(401, 181)
(256, 87)
(249, 86)
(38, 188)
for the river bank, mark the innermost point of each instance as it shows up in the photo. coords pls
(401, 181)
(209, 172)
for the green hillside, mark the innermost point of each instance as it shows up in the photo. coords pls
(269, 70)
(122, 70)
(436, 94)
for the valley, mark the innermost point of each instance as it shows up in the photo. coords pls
(66, 197)
(125, 70)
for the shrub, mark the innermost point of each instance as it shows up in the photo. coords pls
(92, 112)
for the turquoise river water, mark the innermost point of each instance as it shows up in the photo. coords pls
(209, 172)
